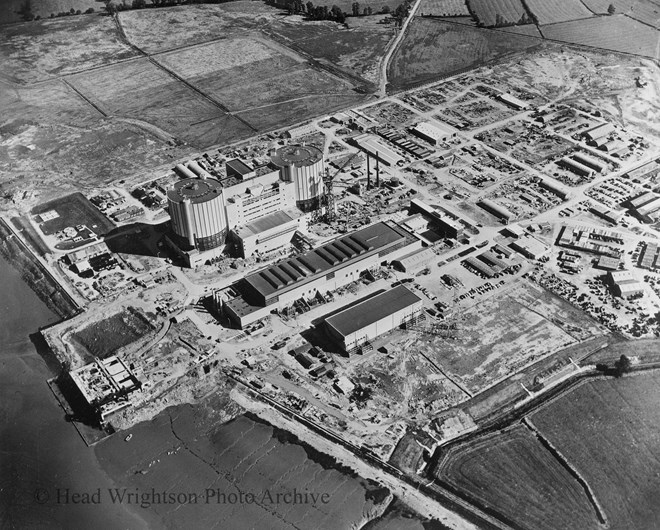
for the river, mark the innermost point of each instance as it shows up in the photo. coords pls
(50, 479)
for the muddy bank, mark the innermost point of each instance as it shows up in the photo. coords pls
(40, 280)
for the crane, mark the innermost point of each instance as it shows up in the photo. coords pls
(327, 181)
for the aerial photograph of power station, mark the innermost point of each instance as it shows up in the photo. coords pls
(355, 265)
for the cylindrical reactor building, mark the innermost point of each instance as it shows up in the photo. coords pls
(197, 210)
(302, 165)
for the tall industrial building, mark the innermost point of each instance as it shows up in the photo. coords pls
(257, 209)
(303, 166)
(197, 210)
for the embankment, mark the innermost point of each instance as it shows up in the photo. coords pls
(33, 272)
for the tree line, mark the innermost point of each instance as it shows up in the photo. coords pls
(335, 13)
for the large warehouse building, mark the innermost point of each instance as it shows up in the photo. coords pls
(323, 269)
(361, 323)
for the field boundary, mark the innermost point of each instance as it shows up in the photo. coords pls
(565, 463)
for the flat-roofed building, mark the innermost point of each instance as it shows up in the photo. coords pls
(608, 263)
(416, 260)
(365, 321)
(529, 247)
(649, 207)
(323, 269)
(266, 234)
(624, 284)
(643, 199)
(374, 147)
(512, 101)
(433, 132)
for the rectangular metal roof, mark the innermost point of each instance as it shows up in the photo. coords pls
(334, 254)
(372, 310)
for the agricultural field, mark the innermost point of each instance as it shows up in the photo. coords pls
(35, 51)
(512, 473)
(608, 429)
(609, 33)
(356, 51)
(417, 59)
(104, 337)
(158, 30)
(444, 8)
(143, 92)
(647, 11)
(553, 11)
(278, 115)
(73, 210)
(498, 12)
(501, 334)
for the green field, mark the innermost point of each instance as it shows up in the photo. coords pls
(34, 51)
(609, 33)
(511, 473)
(142, 91)
(432, 49)
(609, 430)
(552, 11)
(104, 337)
(487, 11)
(73, 210)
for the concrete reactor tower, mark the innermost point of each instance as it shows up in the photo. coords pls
(197, 210)
(302, 165)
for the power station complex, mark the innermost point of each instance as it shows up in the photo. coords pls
(258, 210)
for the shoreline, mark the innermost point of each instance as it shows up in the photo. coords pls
(35, 274)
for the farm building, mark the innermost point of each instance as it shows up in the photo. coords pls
(416, 260)
(362, 323)
(612, 146)
(371, 145)
(529, 247)
(624, 284)
(512, 101)
(433, 133)
(498, 211)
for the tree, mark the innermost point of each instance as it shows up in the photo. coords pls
(310, 8)
(356, 9)
(386, 10)
(611, 9)
(111, 8)
(622, 366)
(139, 4)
